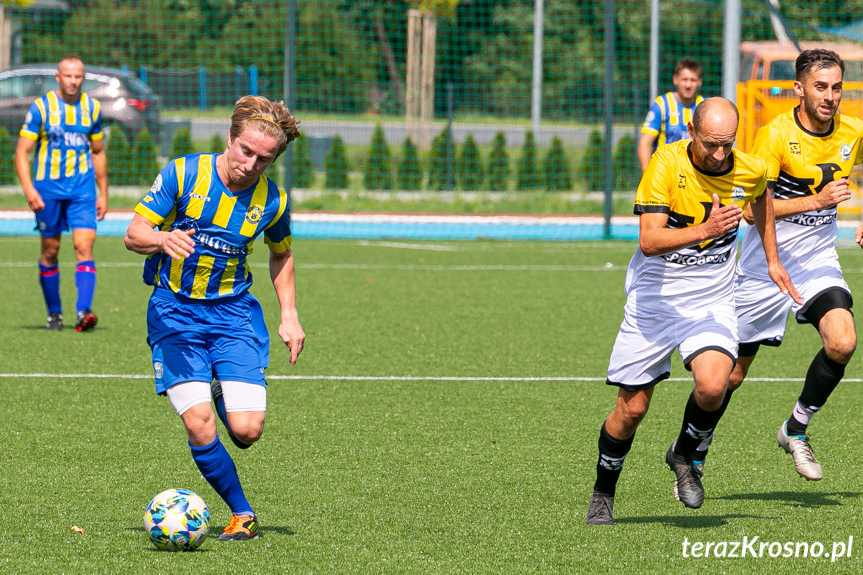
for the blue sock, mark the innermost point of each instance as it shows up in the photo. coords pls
(219, 470)
(49, 279)
(85, 281)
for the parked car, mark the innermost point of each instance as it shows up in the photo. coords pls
(126, 101)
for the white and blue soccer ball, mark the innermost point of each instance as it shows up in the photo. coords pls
(177, 520)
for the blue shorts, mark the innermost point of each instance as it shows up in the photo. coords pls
(59, 215)
(196, 340)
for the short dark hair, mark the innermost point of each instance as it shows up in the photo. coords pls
(687, 64)
(816, 59)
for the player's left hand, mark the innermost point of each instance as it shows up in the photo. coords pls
(293, 335)
(781, 278)
(858, 235)
(101, 208)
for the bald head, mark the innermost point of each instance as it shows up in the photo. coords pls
(716, 112)
(713, 129)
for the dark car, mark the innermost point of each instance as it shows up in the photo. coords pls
(126, 101)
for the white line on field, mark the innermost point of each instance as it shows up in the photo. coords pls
(405, 267)
(378, 378)
(409, 246)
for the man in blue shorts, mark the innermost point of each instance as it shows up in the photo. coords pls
(206, 330)
(65, 128)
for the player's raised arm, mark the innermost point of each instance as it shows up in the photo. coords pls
(656, 239)
(143, 238)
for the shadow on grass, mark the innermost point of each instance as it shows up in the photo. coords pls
(806, 498)
(216, 530)
(686, 521)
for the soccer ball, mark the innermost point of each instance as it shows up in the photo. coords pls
(177, 520)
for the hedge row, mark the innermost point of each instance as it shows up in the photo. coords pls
(137, 163)
(465, 169)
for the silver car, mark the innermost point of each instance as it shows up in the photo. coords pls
(126, 101)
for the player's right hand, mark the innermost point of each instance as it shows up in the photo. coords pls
(722, 218)
(178, 243)
(35, 201)
(833, 193)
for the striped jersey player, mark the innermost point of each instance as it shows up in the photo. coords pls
(64, 127)
(206, 330)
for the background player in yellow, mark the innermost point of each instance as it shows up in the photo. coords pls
(669, 114)
(679, 287)
(810, 152)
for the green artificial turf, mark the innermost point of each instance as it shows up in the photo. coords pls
(443, 418)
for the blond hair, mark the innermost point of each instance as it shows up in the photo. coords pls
(259, 113)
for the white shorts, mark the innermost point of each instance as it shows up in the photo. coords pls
(762, 310)
(641, 357)
(238, 395)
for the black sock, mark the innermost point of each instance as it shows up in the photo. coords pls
(822, 378)
(700, 454)
(612, 452)
(697, 425)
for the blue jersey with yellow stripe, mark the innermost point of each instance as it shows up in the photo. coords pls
(63, 167)
(188, 194)
(667, 119)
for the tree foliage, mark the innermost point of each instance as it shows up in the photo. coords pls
(145, 159)
(627, 170)
(181, 143)
(558, 175)
(378, 171)
(7, 158)
(484, 47)
(336, 164)
(527, 176)
(410, 172)
(441, 166)
(591, 168)
(470, 170)
(498, 164)
(301, 163)
(120, 161)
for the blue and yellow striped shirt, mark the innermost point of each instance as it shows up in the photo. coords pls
(188, 194)
(667, 119)
(64, 166)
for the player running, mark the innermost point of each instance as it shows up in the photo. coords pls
(680, 293)
(810, 152)
(206, 331)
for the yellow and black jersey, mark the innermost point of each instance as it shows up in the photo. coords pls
(801, 163)
(673, 185)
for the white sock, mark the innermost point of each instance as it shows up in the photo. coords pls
(803, 413)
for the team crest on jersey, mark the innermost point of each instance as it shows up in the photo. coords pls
(157, 184)
(681, 181)
(845, 150)
(737, 193)
(794, 148)
(253, 216)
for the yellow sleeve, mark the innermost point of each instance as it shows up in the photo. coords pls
(768, 146)
(653, 193)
